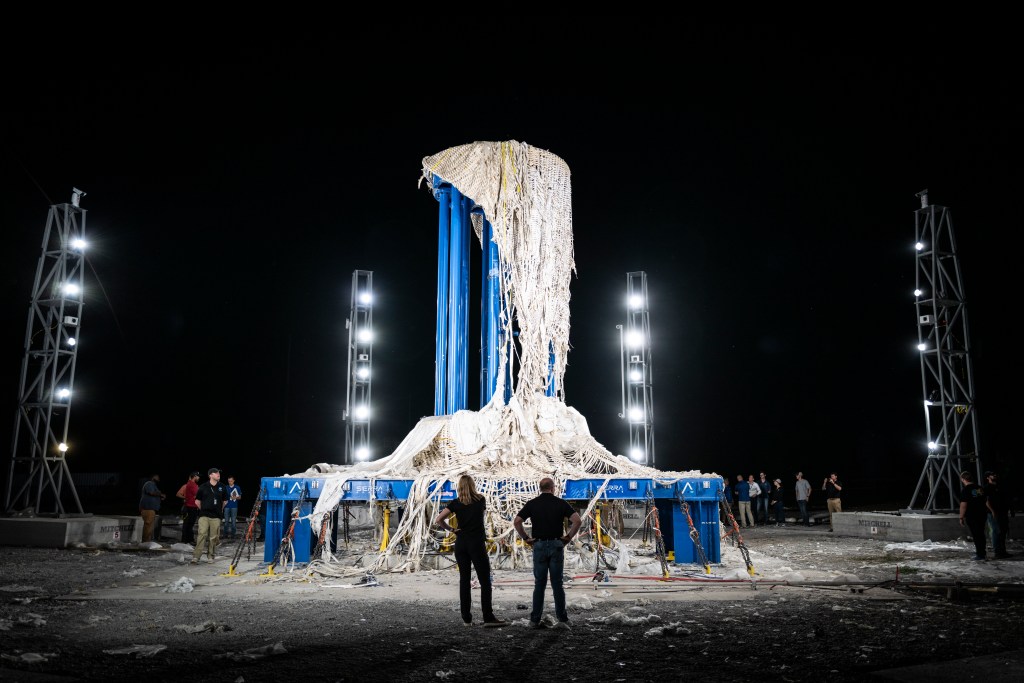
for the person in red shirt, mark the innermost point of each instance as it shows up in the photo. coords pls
(189, 509)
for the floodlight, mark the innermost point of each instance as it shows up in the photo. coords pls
(636, 415)
(362, 453)
(72, 341)
(918, 292)
(361, 412)
(636, 454)
(78, 243)
(635, 375)
(636, 301)
(919, 246)
(71, 289)
(365, 298)
(62, 447)
(364, 335)
(634, 338)
(922, 347)
(63, 392)
(932, 445)
(363, 372)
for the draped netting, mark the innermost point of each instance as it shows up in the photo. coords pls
(525, 194)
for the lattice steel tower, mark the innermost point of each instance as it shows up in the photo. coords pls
(39, 477)
(636, 369)
(360, 370)
(947, 374)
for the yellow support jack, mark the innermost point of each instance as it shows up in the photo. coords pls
(385, 534)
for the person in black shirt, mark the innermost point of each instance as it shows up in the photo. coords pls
(548, 513)
(470, 548)
(832, 489)
(210, 500)
(999, 518)
(974, 509)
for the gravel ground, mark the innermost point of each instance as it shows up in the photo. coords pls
(65, 614)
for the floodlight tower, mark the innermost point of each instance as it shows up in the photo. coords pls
(40, 442)
(360, 370)
(636, 370)
(947, 374)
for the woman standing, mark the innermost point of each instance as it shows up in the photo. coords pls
(776, 501)
(470, 548)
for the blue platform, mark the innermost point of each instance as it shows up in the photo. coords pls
(281, 494)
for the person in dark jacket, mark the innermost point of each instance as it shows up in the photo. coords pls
(999, 516)
(974, 509)
(763, 501)
(149, 505)
(742, 492)
(777, 504)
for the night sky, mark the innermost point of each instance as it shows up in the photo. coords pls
(764, 181)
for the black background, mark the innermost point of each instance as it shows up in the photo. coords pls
(763, 178)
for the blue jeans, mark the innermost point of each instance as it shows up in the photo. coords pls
(998, 526)
(762, 508)
(548, 558)
(803, 511)
(230, 520)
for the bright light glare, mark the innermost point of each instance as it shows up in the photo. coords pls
(932, 445)
(636, 301)
(636, 454)
(365, 298)
(362, 453)
(919, 246)
(636, 415)
(62, 447)
(362, 412)
(71, 289)
(634, 338)
(63, 392)
(635, 375)
(363, 373)
(918, 292)
(921, 347)
(364, 335)
(78, 243)
(72, 341)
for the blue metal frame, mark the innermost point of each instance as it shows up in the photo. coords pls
(490, 316)
(443, 195)
(282, 493)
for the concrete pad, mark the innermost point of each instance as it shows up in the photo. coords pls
(57, 532)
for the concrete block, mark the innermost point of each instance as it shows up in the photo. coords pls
(908, 527)
(51, 532)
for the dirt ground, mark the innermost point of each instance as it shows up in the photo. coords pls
(819, 607)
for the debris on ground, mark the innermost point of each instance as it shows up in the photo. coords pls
(182, 585)
(137, 650)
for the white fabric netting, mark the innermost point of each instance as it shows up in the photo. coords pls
(525, 194)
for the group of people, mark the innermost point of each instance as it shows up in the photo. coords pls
(984, 506)
(207, 506)
(758, 499)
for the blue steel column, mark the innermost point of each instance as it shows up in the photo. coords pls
(550, 391)
(443, 195)
(490, 344)
(458, 293)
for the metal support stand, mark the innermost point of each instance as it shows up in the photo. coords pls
(39, 481)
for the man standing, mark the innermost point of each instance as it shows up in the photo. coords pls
(149, 505)
(999, 518)
(974, 508)
(762, 500)
(832, 490)
(742, 491)
(803, 497)
(234, 494)
(211, 507)
(190, 510)
(548, 513)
